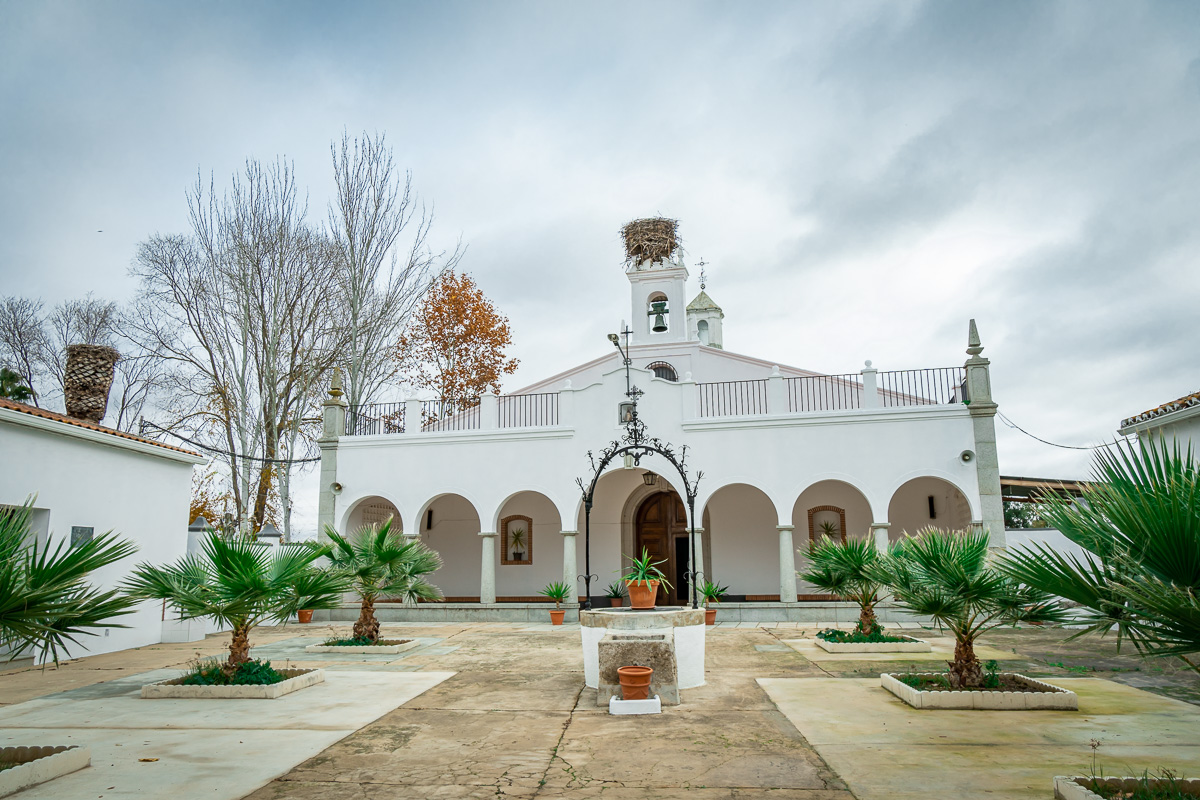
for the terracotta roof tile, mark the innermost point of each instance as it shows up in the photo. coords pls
(34, 411)
(1186, 401)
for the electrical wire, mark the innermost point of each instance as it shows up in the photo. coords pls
(218, 451)
(1012, 424)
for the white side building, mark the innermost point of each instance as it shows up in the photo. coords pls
(787, 456)
(87, 480)
(1178, 420)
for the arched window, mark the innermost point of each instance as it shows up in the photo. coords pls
(664, 370)
(702, 331)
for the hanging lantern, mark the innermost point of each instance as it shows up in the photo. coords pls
(649, 478)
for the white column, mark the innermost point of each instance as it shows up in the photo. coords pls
(787, 564)
(689, 397)
(412, 416)
(409, 537)
(879, 532)
(699, 565)
(870, 398)
(570, 566)
(487, 572)
(489, 412)
(776, 393)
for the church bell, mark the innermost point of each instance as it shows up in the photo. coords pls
(657, 310)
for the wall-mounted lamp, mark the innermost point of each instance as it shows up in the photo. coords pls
(649, 478)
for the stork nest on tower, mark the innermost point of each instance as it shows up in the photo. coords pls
(653, 239)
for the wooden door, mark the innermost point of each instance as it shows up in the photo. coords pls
(661, 519)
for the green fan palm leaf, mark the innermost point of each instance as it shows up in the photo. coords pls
(846, 569)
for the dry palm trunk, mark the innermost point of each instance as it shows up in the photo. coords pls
(868, 623)
(367, 626)
(965, 669)
(239, 649)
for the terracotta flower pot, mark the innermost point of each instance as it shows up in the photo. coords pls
(635, 682)
(304, 616)
(642, 593)
(556, 615)
(616, 602)
(710, 616)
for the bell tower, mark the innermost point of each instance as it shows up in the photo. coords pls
(657, 279)
(704, 317)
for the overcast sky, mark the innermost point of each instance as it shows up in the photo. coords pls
(863, 178)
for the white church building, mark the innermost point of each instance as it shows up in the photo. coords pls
(787, 455)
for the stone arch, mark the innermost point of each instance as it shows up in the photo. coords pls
(373, 508)
(544, 546)
(828, 500)
(455, 536)
(741, 538)
(910, 510)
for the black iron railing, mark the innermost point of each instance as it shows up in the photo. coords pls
(824, 392)
(528, 410)
(732, 398)
(437, 415)
(370, 419)
(923, 387)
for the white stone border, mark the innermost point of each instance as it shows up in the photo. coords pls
(1058, 699)
(381, 649)
(1066, 787)
(40, 764)
(911, 646)
(297, 679)
(633, 707)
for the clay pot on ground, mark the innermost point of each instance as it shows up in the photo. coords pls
(616, 602)
(304, 617)
(710, 616)
(556, 615)
(642, 593)
(635, 682)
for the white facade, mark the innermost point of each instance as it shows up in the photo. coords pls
(95, 478)
(781, 449)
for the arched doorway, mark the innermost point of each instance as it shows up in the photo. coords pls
(660, 527)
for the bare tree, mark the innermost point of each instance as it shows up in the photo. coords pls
(23, 339)
(236, 309)
(378, 287)
(84, 321)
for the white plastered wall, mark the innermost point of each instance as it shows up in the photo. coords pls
(744, 540)
(908, 510)
(455, 537)
(526, 580)
(827, 493)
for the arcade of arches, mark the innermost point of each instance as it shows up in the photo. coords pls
(740, 537)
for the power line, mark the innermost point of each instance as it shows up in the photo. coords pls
(145, 424)
(1012, 424)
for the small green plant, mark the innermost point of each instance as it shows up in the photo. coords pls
(249, 673)
(353, 641)
(990, 679)
(829, 530)
(858, 637)
(615, 590)
(646, 569)
(712, 592)
(557, 591)
(516, 537)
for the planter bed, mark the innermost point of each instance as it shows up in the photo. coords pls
(1035, 696)
(909, 645)
(385, 646)
(1076, 788)
(39, 764)
(174, 689)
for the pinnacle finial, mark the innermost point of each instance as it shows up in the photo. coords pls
(335, 385)
(974, 348)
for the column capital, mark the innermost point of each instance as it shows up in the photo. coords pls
(488, 533)
(875, 525)
(785, 527)
(569, 533)
(697, 529)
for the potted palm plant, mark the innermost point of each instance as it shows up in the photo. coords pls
(557, 591)
(712, 592)
(643, 579)
(379, 564)
(516, 537)
(240, 584)
(947, 575)
(848, 569)
(615, 594)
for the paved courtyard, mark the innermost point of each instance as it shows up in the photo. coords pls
(500, 710)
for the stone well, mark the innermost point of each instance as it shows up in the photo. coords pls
(682, 628)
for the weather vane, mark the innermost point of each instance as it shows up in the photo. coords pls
(703, 275)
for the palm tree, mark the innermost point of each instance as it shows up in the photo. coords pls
(1140, 524)
(14, 387)
(847, 569)
(946, 575)
(240, 584)
(380, 564)
(45, 600)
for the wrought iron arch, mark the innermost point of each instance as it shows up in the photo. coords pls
(635, 443)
